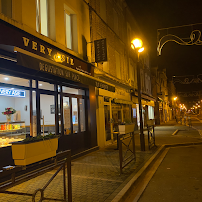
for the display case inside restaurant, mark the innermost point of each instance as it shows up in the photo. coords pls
(11, 132)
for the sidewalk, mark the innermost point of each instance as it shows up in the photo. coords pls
(95, 177)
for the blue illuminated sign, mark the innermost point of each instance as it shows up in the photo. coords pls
(12, 92)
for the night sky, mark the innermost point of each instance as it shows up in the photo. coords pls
(177, 59)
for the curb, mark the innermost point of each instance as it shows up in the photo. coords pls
(128, 187)
(122, 195)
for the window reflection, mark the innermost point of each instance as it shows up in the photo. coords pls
(82, 115)
(66, 114)
(75, 115)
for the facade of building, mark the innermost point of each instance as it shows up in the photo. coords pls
(53, 75)
(163, 111)
(113, 21)
(46, 74)
(172, 98)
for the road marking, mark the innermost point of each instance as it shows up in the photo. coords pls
(175, 132)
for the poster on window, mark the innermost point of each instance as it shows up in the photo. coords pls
(34, 127)
(66, 117)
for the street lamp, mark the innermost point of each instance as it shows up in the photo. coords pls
(136, 45)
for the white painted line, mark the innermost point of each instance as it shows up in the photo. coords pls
(175, 132)
(198, 119)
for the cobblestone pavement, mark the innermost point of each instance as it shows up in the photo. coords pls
(96, 176)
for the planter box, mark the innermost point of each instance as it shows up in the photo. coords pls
(28, 153)
(128, 128)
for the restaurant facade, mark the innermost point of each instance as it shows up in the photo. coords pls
(50, 90)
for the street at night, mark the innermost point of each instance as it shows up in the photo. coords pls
(176, 176)
(100, 100)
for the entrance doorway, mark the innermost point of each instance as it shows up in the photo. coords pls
(107, 122)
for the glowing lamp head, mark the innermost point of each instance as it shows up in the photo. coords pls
(175, 98)
(136, 43)
(141, 49)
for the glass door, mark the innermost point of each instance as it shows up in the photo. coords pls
(47, 114)
(66, 115)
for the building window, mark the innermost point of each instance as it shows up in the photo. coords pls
(71, 29)
(116, 26)
(103, 10)
(118, 65)
(42, 17)
(6, 8)
(68, 31)
(131, 71)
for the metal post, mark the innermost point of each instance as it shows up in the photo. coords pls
(120, 153)
(142, 141)
(133, 139)
(64, 183)
(69, 180)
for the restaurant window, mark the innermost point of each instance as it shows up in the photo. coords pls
(82, 115)
(66, 115)
(6, 79)
(47, 111)
(73, 90)
(46, 86)
(116, 116)
(6, 7)
(14, 108)
(126, 113)
(75, 115)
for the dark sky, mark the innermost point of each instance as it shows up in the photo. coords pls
(177, 59)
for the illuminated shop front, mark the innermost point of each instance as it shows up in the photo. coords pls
(113, 109)
(50, 90)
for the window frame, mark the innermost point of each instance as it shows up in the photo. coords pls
(39, 16)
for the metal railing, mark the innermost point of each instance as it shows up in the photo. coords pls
(63, 164)
(151, 136)
(124, 159)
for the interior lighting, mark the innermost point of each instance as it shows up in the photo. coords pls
(40, 84)
(6, 78)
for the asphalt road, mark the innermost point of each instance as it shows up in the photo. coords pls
(179, 176)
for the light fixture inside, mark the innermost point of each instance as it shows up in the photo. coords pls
(6, 78)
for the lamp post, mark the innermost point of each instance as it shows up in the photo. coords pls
(175, 107)
(136, 44)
